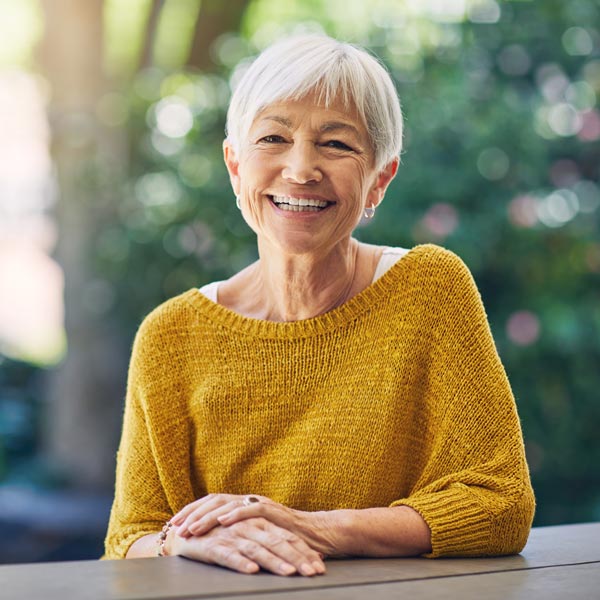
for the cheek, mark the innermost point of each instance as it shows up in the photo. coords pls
(355, 183)
(255, 175)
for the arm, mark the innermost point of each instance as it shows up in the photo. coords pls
(474, 490)
(377, 532)
(143, 502)
(370, 532)
(144, 547)
(140, 507)
(381, 532)
(152, 479)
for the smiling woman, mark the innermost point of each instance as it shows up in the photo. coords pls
(333, 398)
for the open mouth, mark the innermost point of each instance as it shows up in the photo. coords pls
(299, 204)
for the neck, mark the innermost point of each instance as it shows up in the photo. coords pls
(295, 287)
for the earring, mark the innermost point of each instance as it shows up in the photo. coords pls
(237, 202)
(369, 212)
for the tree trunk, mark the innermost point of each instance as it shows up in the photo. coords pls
(85, 393)
(150, 33)
(214, 19)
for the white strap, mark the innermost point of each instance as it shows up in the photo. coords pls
(389, 257)
(210, 290)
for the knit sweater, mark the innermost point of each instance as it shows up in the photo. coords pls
(397, 397)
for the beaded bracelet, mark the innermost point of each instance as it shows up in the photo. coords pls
(162, 538)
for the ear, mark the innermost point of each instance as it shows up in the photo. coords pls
(383, 179)
(233, 166)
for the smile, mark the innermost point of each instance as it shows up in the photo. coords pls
(292, 204)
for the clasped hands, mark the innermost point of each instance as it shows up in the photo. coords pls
(247, 536)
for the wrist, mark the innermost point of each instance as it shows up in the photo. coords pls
(171, 543)
(327, 529)
(167, 540)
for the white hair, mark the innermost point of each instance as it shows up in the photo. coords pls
(292, 68)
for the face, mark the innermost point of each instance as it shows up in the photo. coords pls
(305, 175)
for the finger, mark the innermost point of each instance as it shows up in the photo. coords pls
(271, 511)
(265, 558)
(245, 511)
(284, 544)
(231, 557)
(206, 508)
(180, 517)
(203, 524)
(276, 514)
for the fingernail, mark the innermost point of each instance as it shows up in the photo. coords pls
(318, 567)
(286, 569)
(306, 569)
(223, 518)
(251, 567)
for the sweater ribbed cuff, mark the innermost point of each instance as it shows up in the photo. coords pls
(459, 526)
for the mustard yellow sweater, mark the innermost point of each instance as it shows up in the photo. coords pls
(396, 397)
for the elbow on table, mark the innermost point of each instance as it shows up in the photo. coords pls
(499, 534)
(509, 533)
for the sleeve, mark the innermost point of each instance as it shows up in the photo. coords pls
(474, 491)
(140, 505)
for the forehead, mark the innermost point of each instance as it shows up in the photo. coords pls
(309, 111)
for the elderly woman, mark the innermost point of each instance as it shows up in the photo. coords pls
(333, 398)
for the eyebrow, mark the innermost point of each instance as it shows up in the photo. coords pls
(327, 127)
(337, 125)
(281, 120)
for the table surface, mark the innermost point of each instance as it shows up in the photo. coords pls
(558, 562)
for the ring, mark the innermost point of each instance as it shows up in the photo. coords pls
(248, 500)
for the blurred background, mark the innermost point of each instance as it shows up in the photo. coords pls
(113, 197)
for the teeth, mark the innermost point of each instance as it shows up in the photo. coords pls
(282, 201)
(291, 208)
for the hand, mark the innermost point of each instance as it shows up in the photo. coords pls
(202, 515)
(249, 545)
(214, 510)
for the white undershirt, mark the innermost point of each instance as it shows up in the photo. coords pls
(389, 257)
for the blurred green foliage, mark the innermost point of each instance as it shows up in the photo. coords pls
(501, 165)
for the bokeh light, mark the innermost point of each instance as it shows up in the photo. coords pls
(493, 163)
(523, 328)
(558, 208)
(522, 211)
(577, 41)
(173, 117)
(514, 60)
(440, 220)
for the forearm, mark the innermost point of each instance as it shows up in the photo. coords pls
(375, 532)
(145, 547)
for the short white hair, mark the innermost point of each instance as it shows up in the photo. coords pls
(292, 68)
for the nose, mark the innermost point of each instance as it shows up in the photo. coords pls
(302, 164)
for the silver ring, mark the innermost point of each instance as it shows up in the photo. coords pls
(248, 500)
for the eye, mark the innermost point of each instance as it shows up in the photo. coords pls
(272, 139)
(336, 144)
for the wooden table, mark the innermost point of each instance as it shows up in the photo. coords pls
(558, 562)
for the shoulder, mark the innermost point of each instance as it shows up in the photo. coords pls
(432, 268)
(436, 257)
(171, 319)
(442, 279)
